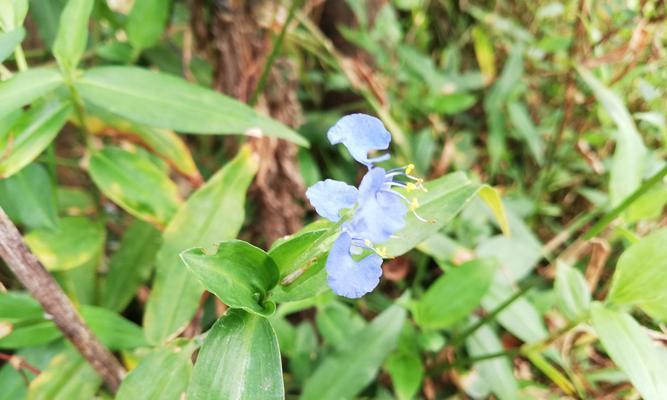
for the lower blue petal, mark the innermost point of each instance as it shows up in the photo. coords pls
(350, 278)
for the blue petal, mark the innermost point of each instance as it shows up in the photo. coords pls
(361, 133)
(329, 197)
(350, 278)
(381, 212)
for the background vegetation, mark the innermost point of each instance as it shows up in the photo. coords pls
(113, 162)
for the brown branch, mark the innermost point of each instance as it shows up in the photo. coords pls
(18, 363)
(44, 288)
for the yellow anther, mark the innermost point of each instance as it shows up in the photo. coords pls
(368, 243)
(414, 204)
(409, 187)
(409, 169)
(382, 252)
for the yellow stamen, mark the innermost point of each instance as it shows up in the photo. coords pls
(414, 204)
(409, 169)
(409, 187)
(382, 252)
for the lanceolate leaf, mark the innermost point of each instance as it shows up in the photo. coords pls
(239, 273)
(240, 359)
(146, 22)
(76, 241)
(631, 349)
(29, 198)
(162, 375)
(72, 34)
(215, 212)
(135, 183)
(343, 374)
(9, 41)
(30, 134)
(67, 377)
(454, 295)
(628, 162)
(165, 101)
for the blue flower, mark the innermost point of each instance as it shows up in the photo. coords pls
(360, 134)
(377, 210)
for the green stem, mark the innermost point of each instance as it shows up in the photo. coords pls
(492, 315)
(20, 59)
(607, 219)
(277, 45)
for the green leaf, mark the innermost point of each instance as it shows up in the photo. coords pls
(29, 333)
(130, 265)
(445, 198)
(16, 306)
(574, 297)
(72, 37)
(146, 22)
(496, 372)
(30, 134)
(631, 349)
(27, 86)
(67, 377)
(237, 272)
(337, 322)
(13, 383)
(484, 52)
(165, 101)
(162, 375)
(524, 126)
(491, 197)
(349, 370)
(9, 41)
(240, 359)
(114, 331)
(629, 155)
(76, 241)
(215, 212)
(46, 15)
(641, 272)
(406, 371)
(163, 142)
(29, 198)
(135, 183)
(454, 295)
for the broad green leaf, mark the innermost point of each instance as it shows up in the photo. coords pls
(30, 326)
(445, 198)
(67, 377)
(406, 371)
(628, 344)
(336, 322)
(629, 155)
(165, 101)
(641, 272)
(29, 333)
(9, 41)
(76, 241)
(75, 201)
(30, 134)
(346, 372)
(574, 297)
(114, 331)
(135, 183)
(146, 22)
(496, 372)
(237, 272)
(162, 375)
(163, 142)
(80, 283)
(13, 383)
(27, 86)
(72, 36)
(240, 359)
(303, 254)
(130, 265)
(303, 356)
(454, 295)
(213, 213)
(29, 198)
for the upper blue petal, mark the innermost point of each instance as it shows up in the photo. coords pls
(361, 133)
(350, 278)
(330, 196)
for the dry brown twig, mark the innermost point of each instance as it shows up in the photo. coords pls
(41, 285)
